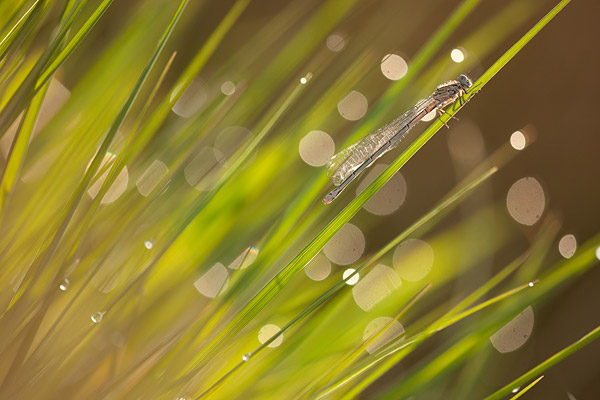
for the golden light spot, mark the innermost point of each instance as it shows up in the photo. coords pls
(213, 282)
(229, 141)
(392, 332)
(316, 148)
(56, 96)
(515, 333)
(567, 246)
(318, 268)
(267, 331)
(191, 101)
(394, 67)
(457, 55)
(118, 186)
(354, 106)
(201, 172)
(228, 88)
(346, 246)
(389, 198)
(430, 116)
(518, 140)
(245, 259)
(413, 259)
(151, 177)
(466, 144)
(375, 286)
(352, 281)
(335, 42)
(526, 201)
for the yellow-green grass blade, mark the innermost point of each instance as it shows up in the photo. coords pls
(54, 240)
(19, 28)
(526, 388)
(447, 203)
(551, 361)
(19, 149)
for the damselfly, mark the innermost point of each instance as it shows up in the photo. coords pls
(346, 165)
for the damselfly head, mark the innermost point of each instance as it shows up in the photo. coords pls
(465, 81)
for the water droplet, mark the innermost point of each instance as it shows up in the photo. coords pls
(228, 88)
(97, 317)
(148, 244)
(303, 80)
(64, 285)
(352, 281)
(530, 284)
(246, 356)
(515, 390)
(457, 55)
(598, 252)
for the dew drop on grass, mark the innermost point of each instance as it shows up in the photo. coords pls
(64, 285)
(518, 140)
(346, 246)
(245, 259)
(316, 148)
(375, 286)
(335, 42)
(97, 317)
(148, 244)
(246, 357)
(389, 198)
(598, 252)
(318, 268)
(526, 201)
(213, 282)
(515, 333)
(567, 246)
(352, 281)
(413, 259)
(393, 330)
(228, 88)
(354, 106)
(393, 67)
(267, 332)
(457, 55)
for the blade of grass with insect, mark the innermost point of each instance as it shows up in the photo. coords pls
(271, 289)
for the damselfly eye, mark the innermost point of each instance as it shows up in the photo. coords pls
(465, 81)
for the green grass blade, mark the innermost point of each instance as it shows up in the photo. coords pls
(54, 239)
(60, 58)
(553, 360)
(526, 389)
(19, 27)
(284, 276)
(19, 148)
